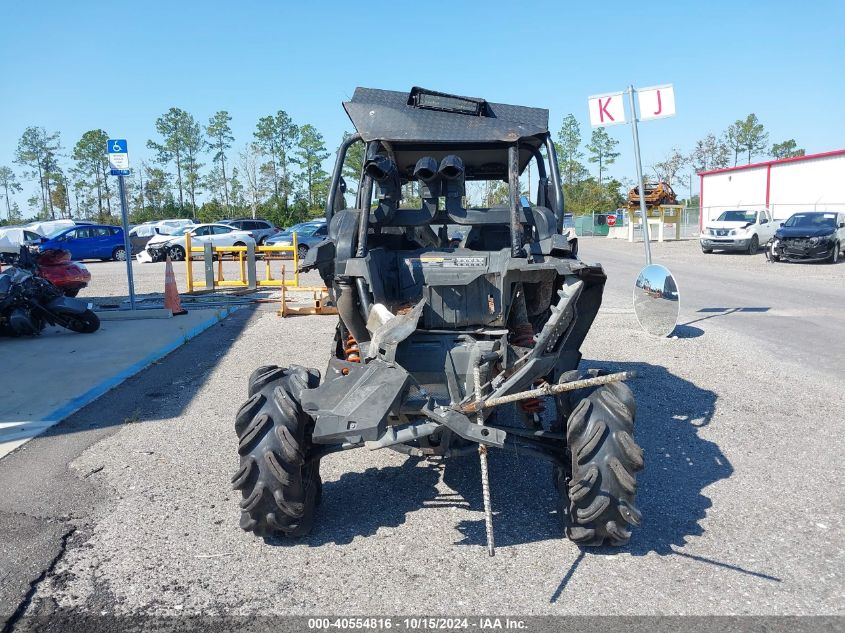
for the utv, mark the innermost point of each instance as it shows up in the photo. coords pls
(430, 336)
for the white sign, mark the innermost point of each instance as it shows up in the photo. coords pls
(118, 161)
(607, 109)
(657, 102)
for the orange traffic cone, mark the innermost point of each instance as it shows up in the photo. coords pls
(171, 293)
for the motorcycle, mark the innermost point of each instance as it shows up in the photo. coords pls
(29, 302)
(55, 265)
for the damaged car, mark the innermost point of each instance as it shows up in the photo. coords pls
(811, 236)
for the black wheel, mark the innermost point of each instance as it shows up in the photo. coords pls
(597, 486)
(754, 246)
(72, 292)
(834, 255)
(706, 251)
(302, 251)
(119, 254)
(279, 486)
(85, 323)
(239, 244)
(176, 252)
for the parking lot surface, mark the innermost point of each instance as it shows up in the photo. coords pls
(61, 371)
(741, 494)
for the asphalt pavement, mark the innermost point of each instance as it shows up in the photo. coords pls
(740, 417)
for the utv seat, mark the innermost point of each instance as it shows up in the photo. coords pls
(495, 237)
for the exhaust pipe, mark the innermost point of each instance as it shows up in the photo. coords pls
(452, 172)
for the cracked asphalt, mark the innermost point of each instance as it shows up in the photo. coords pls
(126, 508)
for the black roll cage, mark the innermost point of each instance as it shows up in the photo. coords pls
(364, 193)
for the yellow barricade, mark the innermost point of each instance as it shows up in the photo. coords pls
(241, 253)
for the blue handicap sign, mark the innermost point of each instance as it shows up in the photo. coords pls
(117, 146)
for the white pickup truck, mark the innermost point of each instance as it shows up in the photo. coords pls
(738, 230)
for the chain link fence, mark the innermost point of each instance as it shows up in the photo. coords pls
(596, 224)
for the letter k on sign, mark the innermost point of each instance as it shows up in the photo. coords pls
(607, 109)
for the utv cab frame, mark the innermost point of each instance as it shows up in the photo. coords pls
(431, 336)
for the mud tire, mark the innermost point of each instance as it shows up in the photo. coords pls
(280, 488)
(597, 487)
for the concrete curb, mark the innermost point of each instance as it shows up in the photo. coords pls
(130, 315)
(54, 417)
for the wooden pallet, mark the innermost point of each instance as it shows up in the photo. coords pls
(319, 303)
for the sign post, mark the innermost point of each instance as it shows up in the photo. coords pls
(640, 183)
(119, 166)
(609, 109)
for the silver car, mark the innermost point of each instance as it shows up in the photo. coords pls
(260, 230)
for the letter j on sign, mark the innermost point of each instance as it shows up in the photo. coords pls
(607, 109)
(656, 103)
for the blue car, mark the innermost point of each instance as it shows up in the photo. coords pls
(89, 241)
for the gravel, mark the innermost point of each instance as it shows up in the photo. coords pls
(741, 495)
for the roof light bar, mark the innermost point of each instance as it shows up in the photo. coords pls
(431, 100)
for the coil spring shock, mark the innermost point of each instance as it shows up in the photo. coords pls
(523, 336)
(352, 351)
(534, 406)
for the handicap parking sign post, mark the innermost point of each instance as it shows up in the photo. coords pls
(118, 153)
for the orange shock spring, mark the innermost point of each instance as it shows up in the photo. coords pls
(534, 406)
(352, 351)
(523, 336)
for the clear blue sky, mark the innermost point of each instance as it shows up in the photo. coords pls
(75, 66)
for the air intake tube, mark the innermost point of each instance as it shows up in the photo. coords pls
(383, 171)
(452, 172)
(426, 174)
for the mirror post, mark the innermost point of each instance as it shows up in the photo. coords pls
(646, 238)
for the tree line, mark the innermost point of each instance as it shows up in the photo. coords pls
(585, 192)
(278, 175)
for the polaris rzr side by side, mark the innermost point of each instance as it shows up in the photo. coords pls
(433, 337)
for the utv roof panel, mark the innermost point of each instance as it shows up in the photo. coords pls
(434, 117)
